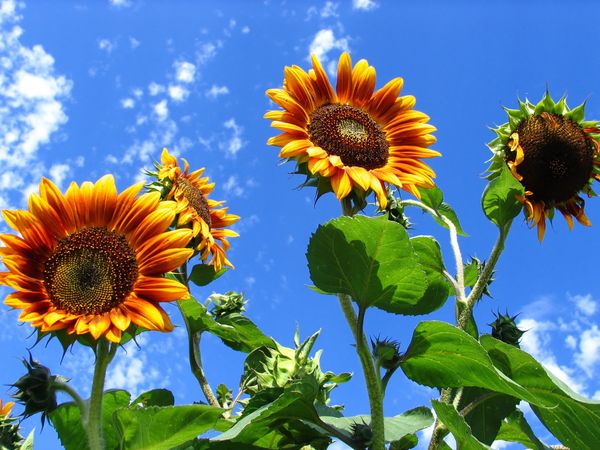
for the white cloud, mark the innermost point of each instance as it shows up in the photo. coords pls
(365, 5)
(589, 355)
(324, 42)
(121, 3)
(207, 51)
(329, 9)
(58, 173)
(133, 42)
(107, 45)
(232, 186)
(137, 93)
(185, 71)
(585, 304)
(571, 342)
(161, 110)
(154, 89)
(127, 103)
(235, 143)
(178, 93)
(215, 91)
(246, 29)
(31, 95)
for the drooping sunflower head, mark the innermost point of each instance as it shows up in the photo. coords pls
(554, 154)
(351, 140)
(90, 263)
(194, 209)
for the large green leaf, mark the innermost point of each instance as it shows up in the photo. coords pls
(429, 255)
(160, 428)
(370, 259)
(516, 429)
(441, 355)
(66, 419)
(395, 427)
(155, 397)
(499, 201)
(235, 330)
(457, 426)
(282, 421)
(487, 411)
(573, 419)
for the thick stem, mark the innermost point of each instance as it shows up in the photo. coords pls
(484, 277)
(372, 380)
(93, 422)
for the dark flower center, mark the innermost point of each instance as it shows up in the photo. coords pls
(351, 134)
(195, 198)
(558, 157)
(90, 272)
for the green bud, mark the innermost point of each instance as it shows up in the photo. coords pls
(386, 353)
(362, 435)
(225, 304)
(35, 390)
(505, 329)
(395, 212)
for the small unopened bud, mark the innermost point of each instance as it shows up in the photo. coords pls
(505, 329)
(35, 389)
(386, 353)
(362, 435)
(229, 303)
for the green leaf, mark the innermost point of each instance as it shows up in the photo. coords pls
(516, 429)
(573, 419)
(235, 330)
(499, 201)
(28, 442)
(457, 426)
(159, 428)
(406, 443)
(441, 355)
(66, 419)
(370, 259)
(429, 255)
(490, 410)
(434, 198)
(203, 274)
(282, 421)
(395, 427)
(155, 397)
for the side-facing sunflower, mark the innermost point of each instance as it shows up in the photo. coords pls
(554, 154)
(195, 209)
(351, 137)
(91, 261)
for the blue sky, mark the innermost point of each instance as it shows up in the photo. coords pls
(88, 88)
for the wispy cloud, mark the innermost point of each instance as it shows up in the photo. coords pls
(364, 5)
(107, 45)
(216, 91)
(32, 95)
(121, 3)
(234, 143)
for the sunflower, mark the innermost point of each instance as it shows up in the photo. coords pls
(554, 154)
(195, 209)
(91, 261)
(5, 409)
(354, 139)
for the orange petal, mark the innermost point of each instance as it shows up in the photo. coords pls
(160, 289)
(147, 314)
(344, 78)
(341, 184)
(119, 319)
(322, 81)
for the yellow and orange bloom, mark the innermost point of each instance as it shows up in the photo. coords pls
(194, 209)
(5, 409)
(357, 139)
(91, 261)
(554, 154)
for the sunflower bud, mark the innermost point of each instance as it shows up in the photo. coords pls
(362, 435)
(229, 303)
(395, 212)
(505, 329)
(9, 430)
(36, 390)
(386, 353)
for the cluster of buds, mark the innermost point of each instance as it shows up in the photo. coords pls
(228, 303)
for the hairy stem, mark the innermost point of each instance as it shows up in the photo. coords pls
(71, 392)
(374, 388)
(93, 419)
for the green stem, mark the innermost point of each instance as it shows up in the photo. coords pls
(93, 416)
(374, 388)
(194, 354)
(484, 277)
